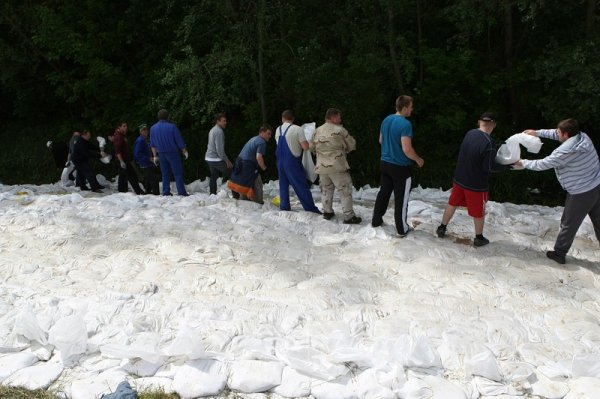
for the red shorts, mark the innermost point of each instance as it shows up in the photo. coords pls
(473, 200)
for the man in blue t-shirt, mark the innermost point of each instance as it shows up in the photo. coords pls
(245, 180)
(397, 156)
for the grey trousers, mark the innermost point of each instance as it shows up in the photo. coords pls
(343, 182)
(577, 206)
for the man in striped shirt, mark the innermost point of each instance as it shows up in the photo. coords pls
(577, 168)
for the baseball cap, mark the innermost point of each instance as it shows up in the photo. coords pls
(142, 126)
(487, 117)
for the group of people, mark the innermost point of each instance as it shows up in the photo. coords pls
(575, 162)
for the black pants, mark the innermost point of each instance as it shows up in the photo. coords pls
(151, 180)
(396, 179)
(125, 174)
(85, 172)
(216, 169)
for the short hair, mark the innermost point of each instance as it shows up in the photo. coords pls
(219, 116)
(265, 127)
(569, 126)
(331, 112)
(288, 115)
(403, 101)
(85, 131)
(163, 114)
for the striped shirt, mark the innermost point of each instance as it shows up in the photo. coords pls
(575, 162)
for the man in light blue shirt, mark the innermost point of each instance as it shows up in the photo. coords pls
(397, 156)
(577, 168)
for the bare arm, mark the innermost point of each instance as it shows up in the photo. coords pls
(410, 152)
(261, 161)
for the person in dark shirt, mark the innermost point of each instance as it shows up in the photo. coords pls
(123, 160)
(83, 149)
(143, 157)
(476, 161)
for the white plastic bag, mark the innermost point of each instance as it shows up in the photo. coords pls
(309, 166)
(510, 151)
(69, 336)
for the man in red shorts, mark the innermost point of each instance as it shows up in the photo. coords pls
(476, 160)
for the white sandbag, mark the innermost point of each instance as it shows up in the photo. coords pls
(96, 386)
(69, 336)
(309, 130)
(414, 388)
(14, 362)
(141, 367)
(143, 345)
(293, 384)
(64, 176)
(27, 325)
(35, 377)
(198, 378)
(481, 361)
(341, 388)
(510, 151)
(492, 388)
(368, 386)
(546, 388)
(252, 376)
(187, 343)
(311, 362)
(444, 389)
(416, 352)
(309, 166)
(587, 365)
(584, 388)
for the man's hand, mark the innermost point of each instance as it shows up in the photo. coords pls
(229, 164)
(155, 160)
(123, 165)
(186, 155)
(530, 132)
(420, 162)
(518, 165)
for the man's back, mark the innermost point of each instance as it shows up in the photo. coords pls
(165, 137)
(331, 143)
(393, 128)
(475, 161)
(294, 135)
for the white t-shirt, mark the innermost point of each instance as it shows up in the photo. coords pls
(294, 136)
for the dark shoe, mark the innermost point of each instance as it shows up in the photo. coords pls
(480, 241)
(167, 195)
(84, 188)
(328, 215)
(353, 220)
(556, 257)
(97, 190)
(441, 231)
(235, 195)
(402, 235)
(376, 224)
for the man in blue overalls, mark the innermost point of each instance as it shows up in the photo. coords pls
(290, 144)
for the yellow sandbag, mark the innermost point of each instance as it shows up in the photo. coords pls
(275, 201)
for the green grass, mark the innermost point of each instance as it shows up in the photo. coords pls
(22, 393)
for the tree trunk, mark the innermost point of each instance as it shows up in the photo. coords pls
(590, 18)
(261, 73)
(391, 31)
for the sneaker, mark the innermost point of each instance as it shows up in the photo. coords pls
(353, 220)
(402, 235)
(480, 241)
(328, 215)
(441, 231)
(556, 257)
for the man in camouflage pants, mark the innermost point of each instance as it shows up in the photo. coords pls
(331, 142)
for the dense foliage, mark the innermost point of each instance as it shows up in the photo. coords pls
(68, 65)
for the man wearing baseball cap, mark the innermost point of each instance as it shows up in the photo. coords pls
(470, 188)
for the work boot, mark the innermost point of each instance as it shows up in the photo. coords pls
(441, 231)
(328, 215)
(480, 241)
(353, 220)
(556, 257)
